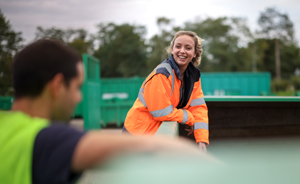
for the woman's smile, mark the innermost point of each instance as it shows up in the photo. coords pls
(183, 50)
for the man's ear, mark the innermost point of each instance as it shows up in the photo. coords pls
(57, 85)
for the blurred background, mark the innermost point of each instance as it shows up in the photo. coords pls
(251, 60)
(251, 48)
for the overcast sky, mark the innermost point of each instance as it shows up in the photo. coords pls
(26, 15)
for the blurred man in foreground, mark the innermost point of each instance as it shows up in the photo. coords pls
(36, 147)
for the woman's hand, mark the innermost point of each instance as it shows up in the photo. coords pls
(190, 129)
(201, 145)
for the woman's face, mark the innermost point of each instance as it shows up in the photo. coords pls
(183, 50)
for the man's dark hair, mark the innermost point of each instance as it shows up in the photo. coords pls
(37, 64)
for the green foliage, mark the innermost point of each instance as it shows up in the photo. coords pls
(75, 38)
(286, 87)
(159, 42)
(221, 51)
(265, 55)
(295, 81)
(228, 45)
(279, 85)
(274, 24)
(122, 50)
(52, 33)
(81, 46)
(290, 59)
(10, 43)
(284, 93)
(265, 52)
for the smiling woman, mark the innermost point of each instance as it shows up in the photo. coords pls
(172, 92)
(186, 47)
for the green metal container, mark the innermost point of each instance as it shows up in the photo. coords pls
(89, 108)
(117, 97)
(236, 83)
(6, 102)
(123, 89)
(114, 113)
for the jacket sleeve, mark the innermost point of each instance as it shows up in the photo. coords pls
(157, 95)
(200, 112)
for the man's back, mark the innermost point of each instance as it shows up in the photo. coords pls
(35, 150)
(17, 136)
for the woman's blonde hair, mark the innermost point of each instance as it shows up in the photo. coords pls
(198, 45)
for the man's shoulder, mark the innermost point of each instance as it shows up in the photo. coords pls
(21, 125)
(53, 152)
(18, 117)
(58, 128)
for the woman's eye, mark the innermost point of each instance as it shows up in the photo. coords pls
(178, 47)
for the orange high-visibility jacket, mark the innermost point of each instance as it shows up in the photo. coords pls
(163, 98)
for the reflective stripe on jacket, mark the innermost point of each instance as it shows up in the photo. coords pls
(162, 98)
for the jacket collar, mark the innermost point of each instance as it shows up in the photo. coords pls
(191, 70)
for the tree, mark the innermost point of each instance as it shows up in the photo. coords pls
(221, 46)
(80, 42)
(158, 43)
(277, 26)
(75, 38)
(265, 57)
(122, 50)
(10, 43)
(53, 33)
